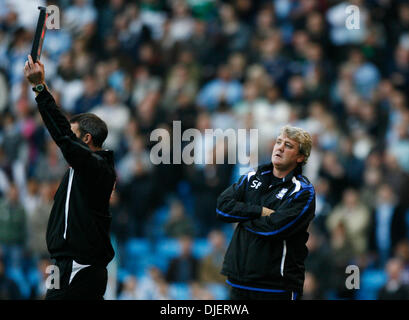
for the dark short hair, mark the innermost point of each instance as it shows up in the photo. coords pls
(92, 124)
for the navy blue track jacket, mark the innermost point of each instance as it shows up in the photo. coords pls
(267, 253)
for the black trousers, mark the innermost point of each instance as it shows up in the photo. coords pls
(88, 284)
(243, 294)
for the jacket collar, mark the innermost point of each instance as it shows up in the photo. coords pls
(266, 170)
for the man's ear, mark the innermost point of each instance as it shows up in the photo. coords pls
(301, 158)
(87, 138)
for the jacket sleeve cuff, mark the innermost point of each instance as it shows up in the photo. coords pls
(43, 95)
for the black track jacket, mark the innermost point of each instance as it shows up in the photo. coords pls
(267, 253)
(79, 223)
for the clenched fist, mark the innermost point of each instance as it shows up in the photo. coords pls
(34, 72)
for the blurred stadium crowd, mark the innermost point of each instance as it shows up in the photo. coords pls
(140, 65)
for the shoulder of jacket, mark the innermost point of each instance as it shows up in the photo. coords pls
(304, 180)
(301, 184)
(257, 171)
(97, 156)
(247, 176)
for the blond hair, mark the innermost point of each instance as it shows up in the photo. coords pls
(302, 137)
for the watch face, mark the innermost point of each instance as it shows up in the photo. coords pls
(38, 88)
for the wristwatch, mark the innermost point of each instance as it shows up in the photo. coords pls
(38, 88)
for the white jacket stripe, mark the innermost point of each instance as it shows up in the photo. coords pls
(67, 200)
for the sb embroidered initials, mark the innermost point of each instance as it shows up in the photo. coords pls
(256, 184)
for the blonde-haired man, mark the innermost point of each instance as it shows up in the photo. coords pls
(273, 206)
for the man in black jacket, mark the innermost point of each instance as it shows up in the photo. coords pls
(273, 207)
(79, 224)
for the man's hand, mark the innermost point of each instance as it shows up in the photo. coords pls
(34, 72)
(266, 212)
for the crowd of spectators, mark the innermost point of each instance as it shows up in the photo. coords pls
(141, 65)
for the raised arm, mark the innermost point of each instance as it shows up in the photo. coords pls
(76, 152)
